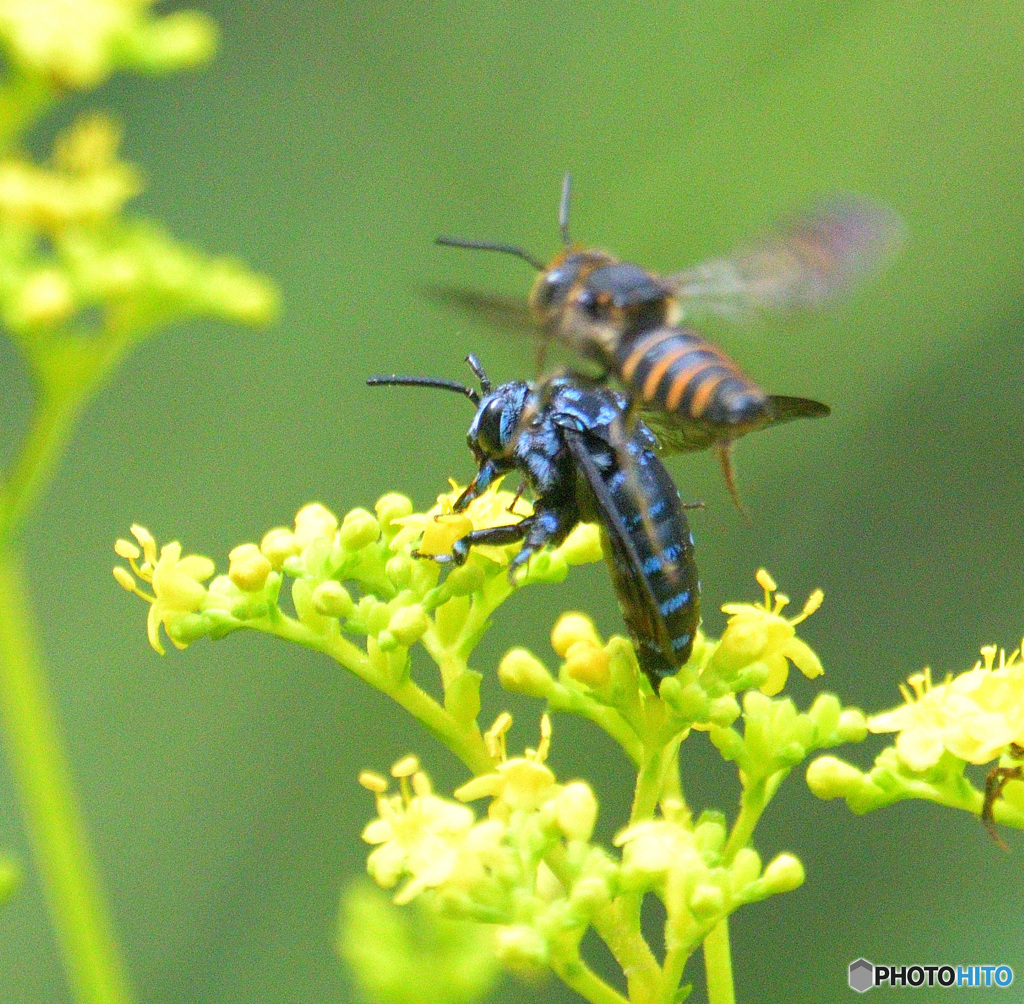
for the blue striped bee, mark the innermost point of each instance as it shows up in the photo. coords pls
(571, 445)
(625, 319)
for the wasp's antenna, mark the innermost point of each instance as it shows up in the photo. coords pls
(478, 371)
(404, 381)
(459, 242)
(563, 209)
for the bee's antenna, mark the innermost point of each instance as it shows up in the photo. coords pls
(408, 381)
(563, 210)
(478, 371)
(459, 242)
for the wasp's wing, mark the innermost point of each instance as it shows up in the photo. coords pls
(807, 261)
(675, 437)
(640, 606)
(788, 408)
(505, 313)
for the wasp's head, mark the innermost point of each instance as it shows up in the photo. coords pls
(496, 424)
(588, 300)
(557, 286)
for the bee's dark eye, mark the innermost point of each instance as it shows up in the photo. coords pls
(550, 289)
(489, 440)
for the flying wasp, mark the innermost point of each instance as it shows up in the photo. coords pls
(626, 319)
(571, 444)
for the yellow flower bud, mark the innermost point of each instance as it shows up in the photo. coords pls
(314, 521)
(576, 811)
(571, 628)
(522, 673)
(278, 545)
(586, 663)
(249, 568)
(391, 507)
(853, 726)
(409, 623)
(830, 777)
(746, 867)
(465, 580)
(358, 529)
(332, 599)
(399, 570)
(706, 901)
(784, 874)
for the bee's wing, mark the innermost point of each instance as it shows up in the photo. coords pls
(639, 604)
(506, 313)
(675, 437)
(805, 262)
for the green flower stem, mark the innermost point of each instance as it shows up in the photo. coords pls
(578, 976)
(33, 469)
(609, 719)
(718, 964)
(464, 741)
(650, 782)
(618, 926)
(69, 371)
(752, 804)
(84, 931)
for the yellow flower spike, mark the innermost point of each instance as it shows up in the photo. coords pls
(126, 549)
(126, 580)
(406, 767)
(545, 737)
(767, 583)
(146, 542)
(373, 782)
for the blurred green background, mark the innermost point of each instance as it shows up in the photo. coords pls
(328, 145)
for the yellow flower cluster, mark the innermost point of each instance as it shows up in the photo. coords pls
(176, 581)
(439, 844)
(976, 716)
(758, 637)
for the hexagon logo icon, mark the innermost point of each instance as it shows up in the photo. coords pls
(862, 975)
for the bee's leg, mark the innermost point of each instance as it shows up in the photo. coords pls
(546, 526)
(497, 535)
(994, 784)
(725, 459)
(511, 507)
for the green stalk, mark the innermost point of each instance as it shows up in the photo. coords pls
(84, 931)
(718, 965)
